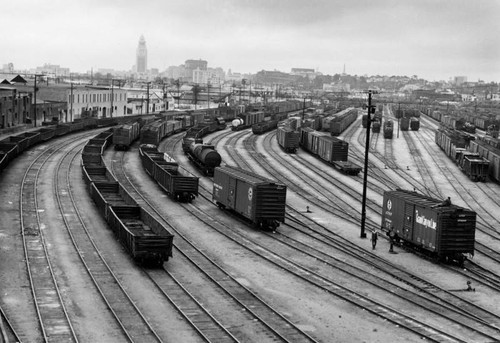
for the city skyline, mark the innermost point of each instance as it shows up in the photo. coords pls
(435, 40)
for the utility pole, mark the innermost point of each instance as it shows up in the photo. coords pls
(34, 91)
(365, 177)
(208, 94)
(147, 97)
(399, 116)
(71, 101)
(112, 98)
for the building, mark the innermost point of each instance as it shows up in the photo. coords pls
(191, 65)
(305, 72)
(274, 77)
(458, 80)
(52, 70)
(141, 57)
(15, 106)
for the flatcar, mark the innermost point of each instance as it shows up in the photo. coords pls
(124, 135)
(178, 184)
(288, 139)
(259, 200)
(204, 157)
(442, 230)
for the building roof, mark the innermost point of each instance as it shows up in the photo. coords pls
(11, 78)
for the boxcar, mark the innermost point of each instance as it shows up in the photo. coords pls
(146, 239)
(259, 200)
(446, 232)
(288, 139)
(414, 124)
(388, 129)
(124, 135)
(404, 123)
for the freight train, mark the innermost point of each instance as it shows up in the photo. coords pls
(145, 239)
(178, 184)
(331, 150)
(13, 146)
(455, 145)
(258, 200)
(440, 229)
(337, 123)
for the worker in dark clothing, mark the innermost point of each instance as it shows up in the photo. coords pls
(374, 239)
(444, 203)
(392, 236)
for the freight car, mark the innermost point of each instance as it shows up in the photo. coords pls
(331, 150)
(124, 135)
(205, 157)
(259, 200)
(200, 130)
(288, 139)
(388, 129)
(246, 120)
(14, 145)
(455, 145)
(489, 152)
(404, 124)
(414, 124)
(145, 239)
(376, 124)
(264, 126)
(166, 172)
(444, 231)
(341, 121)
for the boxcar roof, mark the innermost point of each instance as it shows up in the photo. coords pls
(248, 176)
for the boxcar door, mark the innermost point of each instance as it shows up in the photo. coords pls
(231, 194)
(408, 222)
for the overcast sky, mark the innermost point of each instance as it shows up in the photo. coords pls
(434, 39)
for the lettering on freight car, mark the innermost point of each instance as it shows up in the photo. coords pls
(429, 223)
(250, 194)
(389, 208)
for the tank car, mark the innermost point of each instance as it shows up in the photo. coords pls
(259, 200)
(205, 157)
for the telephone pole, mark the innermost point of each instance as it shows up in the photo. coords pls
(371, 109)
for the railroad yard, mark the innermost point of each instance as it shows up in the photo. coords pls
(313, 279)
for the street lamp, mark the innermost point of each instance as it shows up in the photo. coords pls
(371, 109)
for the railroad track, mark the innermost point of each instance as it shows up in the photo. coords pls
(258, 314)
(492, 331)
(273, 253)
(54, 321)
(133, 323)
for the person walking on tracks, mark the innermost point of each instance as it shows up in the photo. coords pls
(374, 239)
